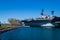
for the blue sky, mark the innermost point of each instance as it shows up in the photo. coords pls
(24, 9)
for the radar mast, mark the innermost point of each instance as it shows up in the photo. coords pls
(42, 12)
(52, 13)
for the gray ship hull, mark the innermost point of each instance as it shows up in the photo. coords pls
(38, 23)
(41, 23)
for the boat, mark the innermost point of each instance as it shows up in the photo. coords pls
(43, 21)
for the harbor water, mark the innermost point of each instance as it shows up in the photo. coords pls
(31, 33)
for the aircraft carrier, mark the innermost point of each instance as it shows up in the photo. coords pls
(43, 21)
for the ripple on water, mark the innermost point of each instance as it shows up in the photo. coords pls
(32, 34)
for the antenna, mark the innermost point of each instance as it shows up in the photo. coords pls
(42, 12)
(52, 12)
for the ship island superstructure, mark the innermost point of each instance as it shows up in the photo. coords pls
(44, 20)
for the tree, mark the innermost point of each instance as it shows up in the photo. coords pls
(14, 22)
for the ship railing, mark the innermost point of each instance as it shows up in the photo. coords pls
(57, 22)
